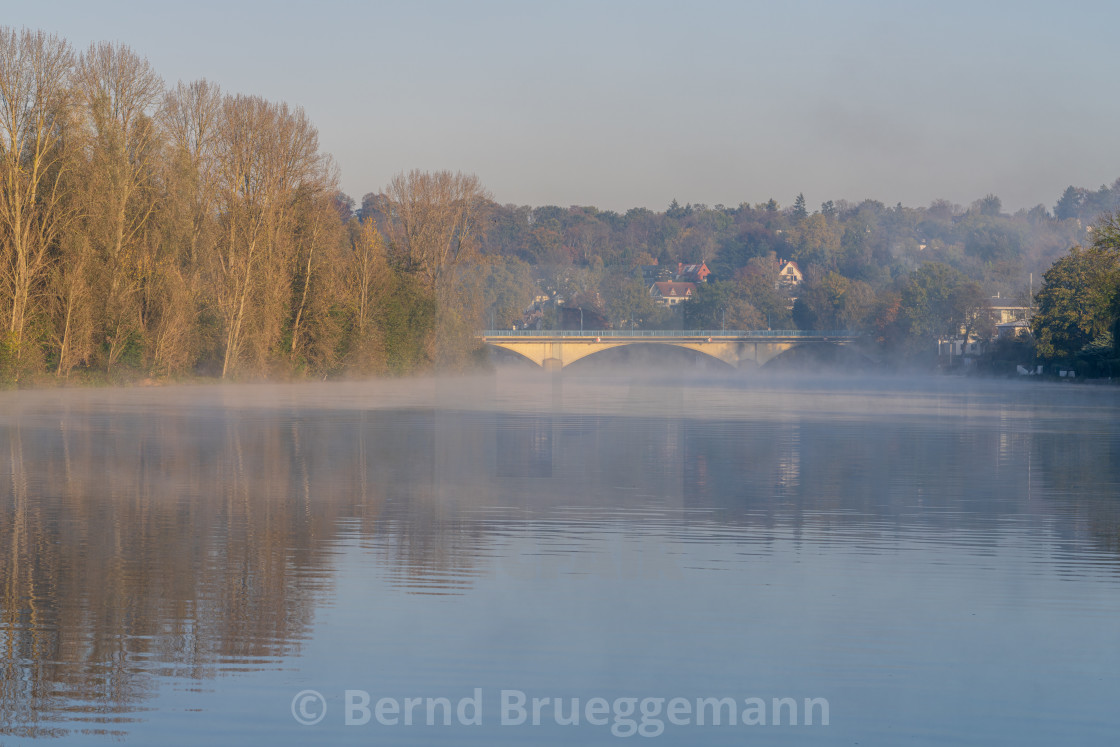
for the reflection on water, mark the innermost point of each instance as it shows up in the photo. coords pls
(147, 542)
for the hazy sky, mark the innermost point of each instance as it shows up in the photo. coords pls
(621, 104)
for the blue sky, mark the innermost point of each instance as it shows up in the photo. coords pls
(620, 104)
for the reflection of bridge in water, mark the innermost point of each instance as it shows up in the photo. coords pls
(555, 349)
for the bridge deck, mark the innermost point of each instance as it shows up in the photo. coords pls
(650, 335)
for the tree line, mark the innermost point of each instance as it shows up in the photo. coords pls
(148, 229)
(156, 230)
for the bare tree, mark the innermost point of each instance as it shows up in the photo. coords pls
(189, 119)
(315, 271)
(119, 90)
(72, 302)
(435, 225)
(243, 205)
(366, 282)
(435, 220)
(269, 169)
(35, 108)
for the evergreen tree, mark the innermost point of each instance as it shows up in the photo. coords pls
(1069, 205)
(799, 211)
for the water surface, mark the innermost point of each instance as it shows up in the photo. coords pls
(939, 560)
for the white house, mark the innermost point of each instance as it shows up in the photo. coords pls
(789, 274)
(671, 294)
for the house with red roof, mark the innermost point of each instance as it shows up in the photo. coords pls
(692, 273)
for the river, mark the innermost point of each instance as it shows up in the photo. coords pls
(692, 559)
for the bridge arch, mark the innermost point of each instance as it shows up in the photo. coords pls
(513, 355)
(680, 351)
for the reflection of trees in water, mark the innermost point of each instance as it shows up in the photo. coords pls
(936, 472)
(166, 544)
(861, 474)
(1079, 476)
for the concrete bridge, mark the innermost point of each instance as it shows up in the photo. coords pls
(555, 349)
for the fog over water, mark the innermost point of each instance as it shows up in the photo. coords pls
(937, 558)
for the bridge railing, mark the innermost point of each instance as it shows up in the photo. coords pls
(631, 333)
